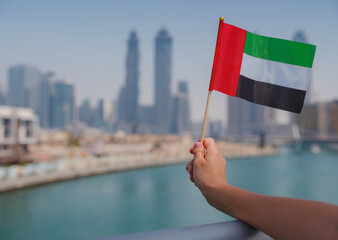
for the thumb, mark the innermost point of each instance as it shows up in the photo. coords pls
(198, 151)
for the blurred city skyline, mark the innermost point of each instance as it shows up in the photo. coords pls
(86, 42)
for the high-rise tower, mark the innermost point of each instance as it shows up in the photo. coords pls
(86, 113)
(104, 111)
(181, 110)
(128, 100)
(23, 83)
(163, 43)
(45, 93)
(63, 104)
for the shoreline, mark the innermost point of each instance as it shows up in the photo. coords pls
(59, 176)
(79, 168)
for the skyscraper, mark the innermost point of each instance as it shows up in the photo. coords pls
(128, 100)
(300, 36)
(22, 85)
(121, 105)
(2, 96)
(86, 113)
(104, 109)
(163, 98)
(63, 104)
(45, 93)
(181, 110)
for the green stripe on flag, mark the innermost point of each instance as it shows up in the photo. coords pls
(279, 50)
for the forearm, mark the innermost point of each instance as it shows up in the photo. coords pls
(281, 218)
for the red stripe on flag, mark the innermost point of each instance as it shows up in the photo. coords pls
(228, 59)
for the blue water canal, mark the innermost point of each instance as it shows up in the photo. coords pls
(156, 198)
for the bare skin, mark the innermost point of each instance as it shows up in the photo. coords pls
(279, 217)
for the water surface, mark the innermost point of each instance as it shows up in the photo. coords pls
(155, 198)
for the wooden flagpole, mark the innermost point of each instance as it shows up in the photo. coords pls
(221, 19)
(205, 116)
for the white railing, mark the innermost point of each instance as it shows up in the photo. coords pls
(226, 230)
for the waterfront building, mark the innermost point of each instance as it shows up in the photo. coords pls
(45, 94)
(333, 118)
(23, 81)
(18, 126)
(129, 94)
(181, 110)
(319, 120)
(63, 104)
(163, 98)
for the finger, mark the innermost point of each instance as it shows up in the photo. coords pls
(187, 167)
(190, 170)
(209, 144)
(190, 167)
(211, 147)
(198, 151)
(192, 148)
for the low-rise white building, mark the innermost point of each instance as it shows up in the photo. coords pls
(18, 126)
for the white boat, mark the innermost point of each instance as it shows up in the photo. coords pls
(315, 148)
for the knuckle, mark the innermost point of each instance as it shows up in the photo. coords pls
(197, 151)
(199, 156)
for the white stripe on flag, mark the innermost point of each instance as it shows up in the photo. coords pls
(276, 73)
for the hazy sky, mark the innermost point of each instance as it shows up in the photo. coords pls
(86, 41)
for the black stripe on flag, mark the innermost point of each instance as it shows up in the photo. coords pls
(271, 95)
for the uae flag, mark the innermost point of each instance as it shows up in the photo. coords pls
(263, 70)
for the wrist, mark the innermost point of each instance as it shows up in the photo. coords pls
(213, 192)
(227, 199)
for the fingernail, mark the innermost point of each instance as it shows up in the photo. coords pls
(198, 144)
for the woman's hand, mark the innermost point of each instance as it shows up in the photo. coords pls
(207, 169)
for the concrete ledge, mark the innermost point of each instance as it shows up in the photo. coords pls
(231, 230)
